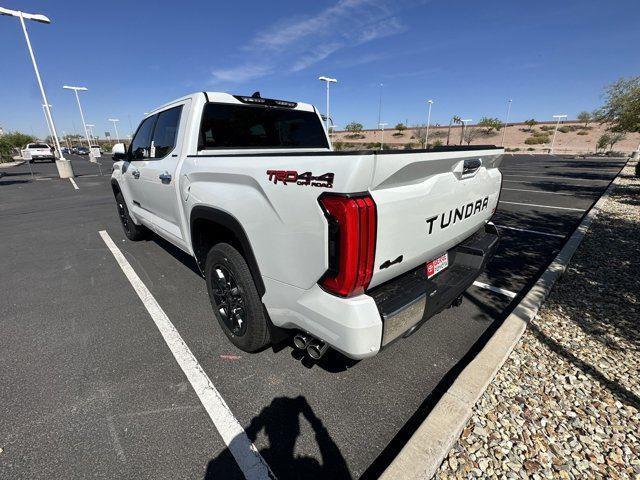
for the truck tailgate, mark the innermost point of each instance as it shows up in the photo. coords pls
(429, 202)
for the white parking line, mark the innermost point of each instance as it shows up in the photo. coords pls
(531, 231)
(73, 182)
(247, 456)
(541, 191)
(501, 291)
(544, 206)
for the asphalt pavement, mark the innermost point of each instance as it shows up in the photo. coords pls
(90, 388)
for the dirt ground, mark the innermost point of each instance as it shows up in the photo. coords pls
(515, 137)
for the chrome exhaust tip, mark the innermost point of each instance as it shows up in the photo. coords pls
(301, 341)
(317, 349)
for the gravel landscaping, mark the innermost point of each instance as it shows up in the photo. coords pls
(566, 404)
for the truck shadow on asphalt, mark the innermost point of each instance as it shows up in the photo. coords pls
(281, 423)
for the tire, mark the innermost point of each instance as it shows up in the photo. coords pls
(131, 230)
(235, 300)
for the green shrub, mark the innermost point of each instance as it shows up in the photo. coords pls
(338, 145)
(10, 141)
(531, 149)
(546, 128)
(537, 140)
(564, 129)
(583, 132)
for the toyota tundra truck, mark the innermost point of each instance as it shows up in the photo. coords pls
(348, 250)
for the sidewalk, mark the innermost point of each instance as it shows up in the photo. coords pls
(567, 402)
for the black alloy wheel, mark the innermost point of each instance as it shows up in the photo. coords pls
(229, 300)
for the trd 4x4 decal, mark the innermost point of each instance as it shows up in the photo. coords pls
(306, 178)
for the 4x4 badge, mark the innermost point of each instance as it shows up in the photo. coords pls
(307, 178)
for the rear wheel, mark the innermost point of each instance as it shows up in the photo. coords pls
(235, 300)
(131, 230)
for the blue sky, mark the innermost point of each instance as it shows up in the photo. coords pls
(469, 56)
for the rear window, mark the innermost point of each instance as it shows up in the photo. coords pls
(245, 126)
(38, 145)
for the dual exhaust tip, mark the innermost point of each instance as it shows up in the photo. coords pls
(315, 348)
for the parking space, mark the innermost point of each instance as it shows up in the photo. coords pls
(92, 388)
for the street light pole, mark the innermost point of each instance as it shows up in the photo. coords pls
(84, 124)
(382, 125)
(66, 139)
(464, 128)
(64, 166)
(558, 117)
(91, 135)
(47, 120)
(380, 105)
(115, 126)
(327, 80)
(506, 123)
(426, 138)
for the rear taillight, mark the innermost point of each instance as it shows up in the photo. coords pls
(352, 243)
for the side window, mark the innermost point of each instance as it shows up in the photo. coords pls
(164, 135)
(141, 143)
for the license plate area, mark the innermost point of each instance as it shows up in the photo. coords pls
(437, 265)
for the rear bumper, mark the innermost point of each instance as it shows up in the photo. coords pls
(408, 301)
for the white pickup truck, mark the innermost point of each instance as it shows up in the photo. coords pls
(40, 151)
(343, 249)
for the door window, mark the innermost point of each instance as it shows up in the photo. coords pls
(140, 146)
(164, 135)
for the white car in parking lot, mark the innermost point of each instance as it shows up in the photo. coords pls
(40, 151)
(344, 249)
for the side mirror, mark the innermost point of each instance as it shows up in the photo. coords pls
(119, 152)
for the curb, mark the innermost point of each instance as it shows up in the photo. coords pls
(12, 164)
(421, 457)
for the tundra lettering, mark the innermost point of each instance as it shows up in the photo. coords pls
(338, 266)
(462, 213)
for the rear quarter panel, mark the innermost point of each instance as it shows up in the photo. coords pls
(283, 220)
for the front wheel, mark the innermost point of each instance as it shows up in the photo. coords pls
(235, 300)
(131, 230)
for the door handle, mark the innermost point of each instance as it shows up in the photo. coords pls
(135, 173)
(165, 177)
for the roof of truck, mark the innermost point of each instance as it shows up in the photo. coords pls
(223, 97)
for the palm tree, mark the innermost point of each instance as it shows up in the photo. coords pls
(456, 119)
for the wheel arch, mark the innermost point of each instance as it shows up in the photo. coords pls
(115, 186)
(209, 226)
